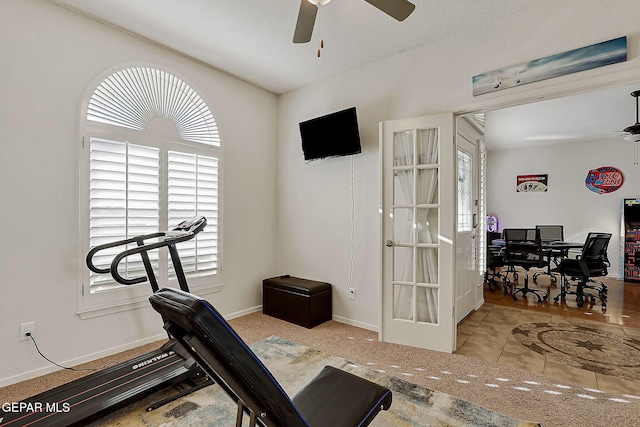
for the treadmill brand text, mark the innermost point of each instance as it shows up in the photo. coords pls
(152, 360)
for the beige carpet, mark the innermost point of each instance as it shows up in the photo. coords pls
(293, 366)
(513, 392)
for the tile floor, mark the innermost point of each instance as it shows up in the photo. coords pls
(486, 334)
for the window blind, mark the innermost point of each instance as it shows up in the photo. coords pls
(124, 200)
(133, 97)
(193, 190)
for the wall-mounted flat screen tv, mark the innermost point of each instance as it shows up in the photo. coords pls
(333, 135)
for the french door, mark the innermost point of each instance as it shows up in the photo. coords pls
(418, 217)
(467, 276)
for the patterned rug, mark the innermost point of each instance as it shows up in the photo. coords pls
(294, 365)
(586, 348)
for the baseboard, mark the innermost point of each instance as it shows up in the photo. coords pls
(84, 359)
(339, 319)
(109, 352)
(355, 323)
(243, 312)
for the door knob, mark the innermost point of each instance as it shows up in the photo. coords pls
(388, 243)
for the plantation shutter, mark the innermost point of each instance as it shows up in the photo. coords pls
(141, 185)
(133, 97)
(193, 190)
(124, 199)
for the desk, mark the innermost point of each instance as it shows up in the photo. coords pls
(556, 251)
(557, 245)
(562, 245)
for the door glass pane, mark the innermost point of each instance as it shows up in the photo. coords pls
(403, 148)
(427, 225)
(427, 186)
(404, 225)
(403, 187)
(427, 305)
(427, 265)
(403, 302)
(402, 264)
(465, 209)
(427, 146)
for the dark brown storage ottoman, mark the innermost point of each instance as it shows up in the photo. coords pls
(303, 302)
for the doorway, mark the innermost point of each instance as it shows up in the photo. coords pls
(564, 138)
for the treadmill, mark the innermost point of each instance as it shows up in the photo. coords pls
(91, 397)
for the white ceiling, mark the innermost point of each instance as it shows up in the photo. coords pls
(252, 39)
(597, 116)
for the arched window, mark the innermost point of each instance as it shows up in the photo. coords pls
(152, 156)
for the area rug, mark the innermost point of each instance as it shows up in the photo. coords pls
(586, 348)
(294, 365)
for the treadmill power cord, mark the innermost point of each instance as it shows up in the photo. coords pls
(51, 361)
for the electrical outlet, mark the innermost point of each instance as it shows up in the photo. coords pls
(27, 328)
(352, 293)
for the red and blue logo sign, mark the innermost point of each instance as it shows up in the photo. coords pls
(606, 179)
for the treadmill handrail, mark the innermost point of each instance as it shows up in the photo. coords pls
(140, 249)
(186, 230)
(122, 242)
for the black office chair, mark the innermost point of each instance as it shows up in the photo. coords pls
(593, 262)
(600, 285)
(333, 398)
(495, 262)
(523, 248)
(551, 233)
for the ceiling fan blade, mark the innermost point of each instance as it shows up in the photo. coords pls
(306, 21)
(633, 129)
(398, 9)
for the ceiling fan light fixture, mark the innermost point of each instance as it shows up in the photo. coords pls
(319, 2)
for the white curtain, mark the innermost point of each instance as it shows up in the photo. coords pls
(426, 182)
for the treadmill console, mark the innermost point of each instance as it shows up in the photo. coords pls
(192, 225)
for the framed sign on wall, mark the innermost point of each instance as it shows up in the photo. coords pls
(533, 183)
(603, 180)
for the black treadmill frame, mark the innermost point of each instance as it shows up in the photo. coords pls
(93, 396)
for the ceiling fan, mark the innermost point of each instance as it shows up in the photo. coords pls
(397, 9)
(630, 133)
(634, 130)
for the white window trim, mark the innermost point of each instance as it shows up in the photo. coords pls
(90, 305)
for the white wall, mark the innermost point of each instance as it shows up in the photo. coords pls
(48, 58)
(314, 203)
(568, 201)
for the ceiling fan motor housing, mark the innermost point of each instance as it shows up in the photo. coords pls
(634, 130)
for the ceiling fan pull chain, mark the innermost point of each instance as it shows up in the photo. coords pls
(322, 32)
